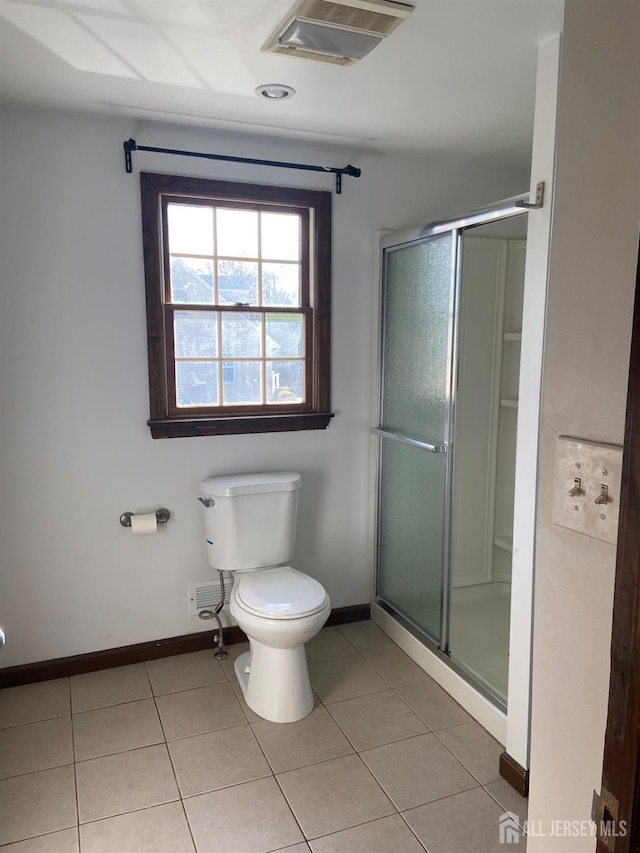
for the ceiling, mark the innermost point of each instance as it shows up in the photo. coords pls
(457, 75)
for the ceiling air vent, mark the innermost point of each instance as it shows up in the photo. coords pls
(336, 31)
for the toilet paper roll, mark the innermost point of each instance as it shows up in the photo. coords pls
(141, 525)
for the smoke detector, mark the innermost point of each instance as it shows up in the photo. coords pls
(337, 31)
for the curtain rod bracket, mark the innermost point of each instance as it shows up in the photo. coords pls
(539, 202)
(130, 146)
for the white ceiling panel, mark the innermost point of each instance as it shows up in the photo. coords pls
(143, 48)
(187, 13)
(57, 31)
(457, 76)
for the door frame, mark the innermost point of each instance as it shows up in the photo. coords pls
(620, 794)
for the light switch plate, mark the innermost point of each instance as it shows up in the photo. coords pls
(595, 465)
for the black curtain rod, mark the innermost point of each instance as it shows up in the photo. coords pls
(130, 145)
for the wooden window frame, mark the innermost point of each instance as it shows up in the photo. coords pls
(168, 421)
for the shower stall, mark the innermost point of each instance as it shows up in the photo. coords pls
(451, 324)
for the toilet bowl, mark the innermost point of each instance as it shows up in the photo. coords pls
(279, 609)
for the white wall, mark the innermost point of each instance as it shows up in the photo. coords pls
(590, 299)
(75, 451)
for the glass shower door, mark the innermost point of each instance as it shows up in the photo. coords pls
(415, 422)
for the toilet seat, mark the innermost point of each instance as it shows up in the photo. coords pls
(279, 593)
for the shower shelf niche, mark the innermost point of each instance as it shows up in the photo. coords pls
(504, 542)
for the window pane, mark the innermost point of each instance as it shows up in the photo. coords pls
(241, 383)
(281, 284)
(196, 383)
(190, 229)
(284, 335)
(280, 236)
(237, 282)
(196, 334)
(237, 233)
(192, 281)
(285, 382)
(241, 335)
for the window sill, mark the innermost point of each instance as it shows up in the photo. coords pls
(237, 424)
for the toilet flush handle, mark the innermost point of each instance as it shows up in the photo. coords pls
(207, 502)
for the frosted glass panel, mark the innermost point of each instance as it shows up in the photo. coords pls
(410, 533)
(417, 307)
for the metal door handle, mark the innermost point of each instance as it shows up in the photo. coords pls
(423, 445)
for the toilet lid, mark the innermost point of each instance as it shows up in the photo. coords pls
(282, 593)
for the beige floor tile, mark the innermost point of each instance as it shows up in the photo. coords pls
(375, 719)
(334, 795)
(315, 738)
(475, 748)
(65, 841)
(297, 848)
(36, 746)
(328, 645)
(509, 799)
(395, 666)
(194, 712)
(184, 672)
(109, 687)
(32, 702)
(116, 729)
(417, 770)
(161, 828)
(387, 835)
(249, 818)
(365, 636)
(125, 782)
(433, 704)
(217, 759)
(466, 822)
(344, 678)
(37, 803)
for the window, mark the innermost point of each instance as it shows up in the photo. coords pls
(238, 283)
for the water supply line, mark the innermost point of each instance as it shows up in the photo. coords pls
(218, 639)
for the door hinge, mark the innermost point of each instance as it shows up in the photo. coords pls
(604, 813)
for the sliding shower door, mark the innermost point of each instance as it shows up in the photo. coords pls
(451, 315)
(415, 422)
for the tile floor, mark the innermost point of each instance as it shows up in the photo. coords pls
(165, 756)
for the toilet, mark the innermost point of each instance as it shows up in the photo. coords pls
(250, 522)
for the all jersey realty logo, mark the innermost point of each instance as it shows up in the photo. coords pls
(511, 830)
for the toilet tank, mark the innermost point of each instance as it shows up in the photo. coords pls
(251, 519)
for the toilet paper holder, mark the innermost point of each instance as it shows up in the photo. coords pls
(162, 516)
